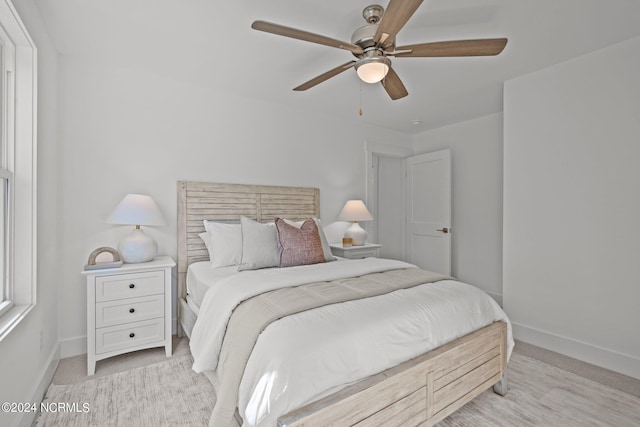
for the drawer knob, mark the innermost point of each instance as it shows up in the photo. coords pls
(131, 310)
(131, 286)
(131, 335)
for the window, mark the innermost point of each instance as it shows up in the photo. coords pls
(5, 298)
(17, 169)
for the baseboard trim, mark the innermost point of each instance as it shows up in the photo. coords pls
(606, 358)
(37, 395)
(70, 347)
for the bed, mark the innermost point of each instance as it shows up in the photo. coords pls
(388, 388)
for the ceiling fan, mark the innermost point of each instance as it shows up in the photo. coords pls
(375, 42)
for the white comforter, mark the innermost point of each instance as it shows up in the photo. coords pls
(316, 352)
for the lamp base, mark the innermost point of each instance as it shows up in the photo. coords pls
(358, 234)
(137, 247)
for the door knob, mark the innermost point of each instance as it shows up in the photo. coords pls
(445, 230)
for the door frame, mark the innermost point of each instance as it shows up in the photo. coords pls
(373, 150)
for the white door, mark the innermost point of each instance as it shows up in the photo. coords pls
(429, 211)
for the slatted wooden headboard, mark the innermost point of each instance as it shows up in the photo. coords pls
(227, 203)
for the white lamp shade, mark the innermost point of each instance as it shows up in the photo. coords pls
(136, 209)
(355, 210)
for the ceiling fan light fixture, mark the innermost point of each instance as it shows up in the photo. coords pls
(373, 43)
(372, 70)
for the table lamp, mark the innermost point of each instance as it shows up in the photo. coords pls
(137, 209)
(355, 210)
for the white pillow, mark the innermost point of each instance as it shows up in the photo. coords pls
(206, 238)
(259, 245)
(325, 243)
(226, 243)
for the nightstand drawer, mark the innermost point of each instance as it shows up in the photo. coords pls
(362, 253)
(116, 312)
(131, 335)
(356, 252)
(120, 286)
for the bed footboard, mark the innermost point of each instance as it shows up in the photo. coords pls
(421, 391)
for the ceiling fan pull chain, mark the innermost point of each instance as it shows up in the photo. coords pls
(360, 98)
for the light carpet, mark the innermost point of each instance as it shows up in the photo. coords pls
(169, 393)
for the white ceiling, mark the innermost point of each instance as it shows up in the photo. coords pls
(208, 42)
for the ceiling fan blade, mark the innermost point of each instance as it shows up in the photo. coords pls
(281, 30)
(479, 47)
(325, 76)
(393, 85)
(397, 14)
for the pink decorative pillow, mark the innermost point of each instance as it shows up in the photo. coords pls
(299, 246)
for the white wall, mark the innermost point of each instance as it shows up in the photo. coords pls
(134, 130)
(572, 207)
(476, 167)
(26, 363)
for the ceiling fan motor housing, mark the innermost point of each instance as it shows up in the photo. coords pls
(363, 36)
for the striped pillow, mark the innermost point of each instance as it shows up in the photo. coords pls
(299, 246)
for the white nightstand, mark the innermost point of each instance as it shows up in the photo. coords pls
(128, 309)
(355, 252)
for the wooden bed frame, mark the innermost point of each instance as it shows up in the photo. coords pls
(421, 391)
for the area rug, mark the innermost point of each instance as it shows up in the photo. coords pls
(169, 393)
(543, 395)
